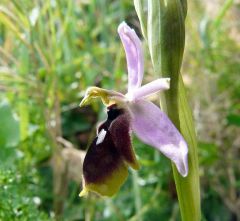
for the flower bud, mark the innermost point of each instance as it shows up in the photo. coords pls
(166, 36)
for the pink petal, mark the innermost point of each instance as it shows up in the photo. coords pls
(134, 55)
(148, 89)
(153, 127)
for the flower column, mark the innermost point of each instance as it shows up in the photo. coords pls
(164, 30)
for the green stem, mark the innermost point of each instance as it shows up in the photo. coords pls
(137, 196)
(166, 38)
(188, 188)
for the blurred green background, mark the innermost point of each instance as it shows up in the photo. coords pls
(50, 52)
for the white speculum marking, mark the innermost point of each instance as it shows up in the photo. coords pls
(101, 136)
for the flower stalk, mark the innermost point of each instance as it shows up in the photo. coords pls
(165, 36)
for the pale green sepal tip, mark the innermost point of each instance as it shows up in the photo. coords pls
(83, 193)
(85, 101)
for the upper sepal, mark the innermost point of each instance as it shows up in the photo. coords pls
(134, 55)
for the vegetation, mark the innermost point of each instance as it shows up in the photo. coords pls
(50, 52)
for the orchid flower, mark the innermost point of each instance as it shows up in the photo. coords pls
(105, 166)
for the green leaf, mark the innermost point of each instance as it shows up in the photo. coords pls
(208, 153)
(9, 126)
(233, 119)
(139, 6)
(5, 20)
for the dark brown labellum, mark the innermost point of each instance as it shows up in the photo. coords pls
(110, 151)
